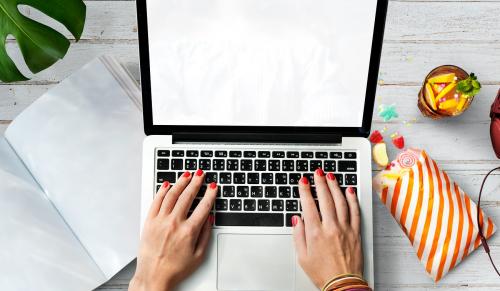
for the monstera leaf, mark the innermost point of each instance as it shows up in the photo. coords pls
(40, 45)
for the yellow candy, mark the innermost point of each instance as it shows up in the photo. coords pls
(380, 154)
(448, 104)
(446, 78)
(392, 176)
(461, 103)
(430, 96)
(445, 91)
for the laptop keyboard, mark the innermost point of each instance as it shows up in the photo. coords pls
(256, 188)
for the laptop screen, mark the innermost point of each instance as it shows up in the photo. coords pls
(301, 63)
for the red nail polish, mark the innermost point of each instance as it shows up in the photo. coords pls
(211, 219)
(320, 172)
(304, 180)
(199, 172)
(213, 185)
(331, 176)
(165, 184)
(294, 220)
(186, 174)
(351, 190)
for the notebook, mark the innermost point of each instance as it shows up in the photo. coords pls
(70, 171)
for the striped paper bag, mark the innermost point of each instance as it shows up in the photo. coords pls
(438, 218)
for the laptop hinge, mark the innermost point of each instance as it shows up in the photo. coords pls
(273, 138)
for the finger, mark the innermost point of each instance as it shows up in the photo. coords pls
(204, 238)
(157, 201)
(204, 208)
(299, 236)
(355, 213)
(325, 200)
(171, 199)
(309, 210)
(338, 200)
(187, 196)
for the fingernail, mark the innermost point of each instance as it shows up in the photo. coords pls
(186, 174)
(199, 172)
(331, 176)
(351, 190)
(165, 184)
(294, 220)
(211, 219)
(304, 180)
(320, 172)
(213, 185)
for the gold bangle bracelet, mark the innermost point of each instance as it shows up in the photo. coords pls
(332, 282)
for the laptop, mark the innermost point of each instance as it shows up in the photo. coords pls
(258, 93)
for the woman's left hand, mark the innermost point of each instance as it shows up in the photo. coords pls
(173, 245)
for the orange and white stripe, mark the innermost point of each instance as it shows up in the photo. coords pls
(436, 215)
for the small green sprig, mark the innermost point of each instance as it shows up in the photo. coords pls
(469, 87)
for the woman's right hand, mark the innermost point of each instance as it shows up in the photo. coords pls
(329, 245)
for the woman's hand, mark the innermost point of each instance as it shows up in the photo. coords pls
(330, 244)
(173, 245)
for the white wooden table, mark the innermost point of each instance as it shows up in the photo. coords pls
(420, 35)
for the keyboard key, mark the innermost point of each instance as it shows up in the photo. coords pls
(177, 153)
(278, 155)
(177, 164)
(162, 164)
(163, 153)
(232, 165)
(218, 165)
(314, 165)
(235, 154)
(256, 191)
(221, 154)
(267, 178)
(192, 154)
(292, 155)
(277, 205)
(349, 155)
(225, 178)
(220, 204)
(347, 166)
(249, 154)
(242, 191)
(191, 164)
(289, 218)
(207, 154)
(271, 192)
(264, 154)
(288, 165)
(351, 179)
(330, 166)
(249, 205)
(284, 192)
(301, 166)
(274, 165)
(253, 178)
(239, 178)
(249, 219)
(264, 205)
(313, 192)
(228, 191)
(194, 204)
(179, 174)
(294, 179)
(165, 176)
(292, 205)
(310, 177)
(260, 165)
(335, 155)
(235, 204)
(307, 155)
(340, 179)
(281, 178)
(321, 155)
(205, 164)
(158, 187)
(219, 192)
(210, 177)
(246, 165)
(202, 191)
(295, 192)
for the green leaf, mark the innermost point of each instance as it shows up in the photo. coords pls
(469, 87)
(40, 45)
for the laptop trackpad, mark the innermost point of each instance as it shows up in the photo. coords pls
(255, 262)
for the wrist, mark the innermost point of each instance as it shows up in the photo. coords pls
(139, 283)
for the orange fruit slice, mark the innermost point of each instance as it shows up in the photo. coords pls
(429, 96)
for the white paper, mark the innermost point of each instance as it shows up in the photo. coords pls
(82, 142)
(260, 62)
